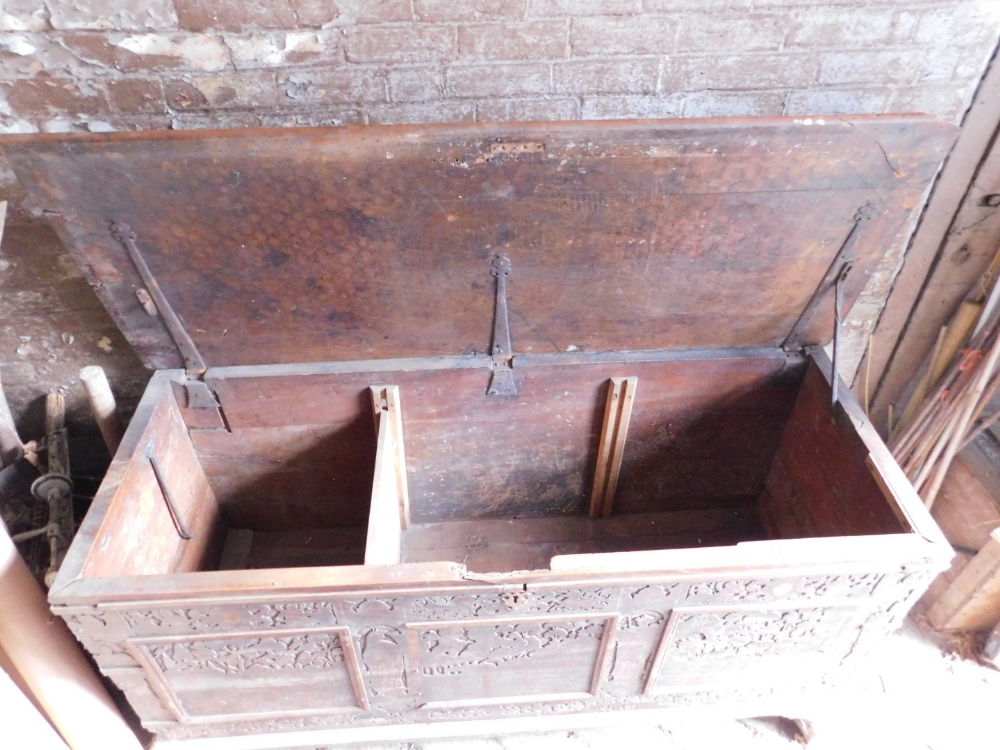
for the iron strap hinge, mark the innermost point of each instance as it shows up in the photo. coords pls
(502, 380)
(797, 339)
(199, 394)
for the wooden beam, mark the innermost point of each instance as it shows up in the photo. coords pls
(617, 412)
(386, 398)
(950, 249)
(972, 601)
(389, 515)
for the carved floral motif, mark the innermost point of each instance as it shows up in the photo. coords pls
(749, 635)
(469, 606)
(452, 650)
(843, 586)
(246, 657)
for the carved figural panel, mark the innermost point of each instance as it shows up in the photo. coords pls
(480, 662)
(254, 674)
(722, 646)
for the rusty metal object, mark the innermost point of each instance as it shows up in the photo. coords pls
(850, 252)
(502, 380)
(55, 487)
(168, 497)
(193, 361)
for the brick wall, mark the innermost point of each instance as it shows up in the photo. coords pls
(122, 64)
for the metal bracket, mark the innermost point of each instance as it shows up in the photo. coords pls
(796, 339)
(502, 380)
(199, 394)
(167, 495)
(838, 312)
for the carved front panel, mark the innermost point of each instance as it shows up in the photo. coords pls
(374, 658)
(722, 646)
(253, 674)
(489, 661)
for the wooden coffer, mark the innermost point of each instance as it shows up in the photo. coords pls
(456, 423)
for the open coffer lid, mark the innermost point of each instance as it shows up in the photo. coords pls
(283, 246)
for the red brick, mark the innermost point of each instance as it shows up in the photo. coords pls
(325, 116)
(93, 49)
(619, 107)
(860, 101)
(402, 44)
(443, 111)
(537, 40)
(577, 8)
(24, 15)
(215, 120)
(318, 13)
(946, 102)
(606, 76)
(507, 79)
(622, 36)
(272, 49)
(741, 72)
(246, 90)
(24, 54)
(235, 15)
(733, 103)
(52, 96)
(677, 6)
(146, 52)
(528, 110)
(133, 96)
(960, 24)
(345, 85)
(181, 95)
(874, 67)
(417, 83)
(713, 32)
(444, 11)
(123, 15)
(847, 28)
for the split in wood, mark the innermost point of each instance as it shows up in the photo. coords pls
(617, 412)
(389, 515)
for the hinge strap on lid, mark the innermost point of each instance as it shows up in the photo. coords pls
(798, 337)
(199, 395)
(838, 312)
(502, 381)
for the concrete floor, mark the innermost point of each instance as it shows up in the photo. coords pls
(915, 693)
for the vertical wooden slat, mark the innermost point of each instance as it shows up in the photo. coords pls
(617, 412)
(389, 396)
(972, 601)
(389, 514)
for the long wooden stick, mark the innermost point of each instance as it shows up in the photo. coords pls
(963, 422)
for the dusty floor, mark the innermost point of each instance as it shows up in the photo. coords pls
(916, 693)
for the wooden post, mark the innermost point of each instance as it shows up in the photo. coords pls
(23, 720)
(389, 515)
(46, 659)
(617, 412)
(11, 447)
(102, 403)
(972, 601)
(386, 398)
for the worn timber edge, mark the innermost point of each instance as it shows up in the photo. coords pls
(925, 548)
(911, 317)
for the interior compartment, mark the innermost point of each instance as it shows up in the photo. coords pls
(339, 468)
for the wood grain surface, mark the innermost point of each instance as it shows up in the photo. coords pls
(365, 243)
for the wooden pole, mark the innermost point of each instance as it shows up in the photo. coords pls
(102, 403)
(49, 662)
